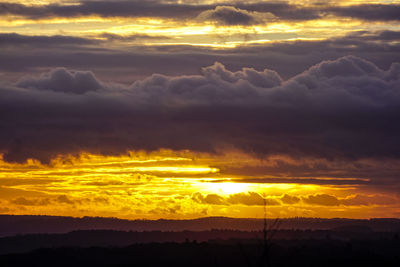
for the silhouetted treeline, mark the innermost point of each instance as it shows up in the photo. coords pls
(109, 238)
(310, 252)
(12, 225)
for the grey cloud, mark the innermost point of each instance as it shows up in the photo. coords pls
(62, 80)
(369, 12)
(228, 15)
(342, 109)
(216, 84)
(11, 39)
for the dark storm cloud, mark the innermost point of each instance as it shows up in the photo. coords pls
(342, 109)
(285, 11)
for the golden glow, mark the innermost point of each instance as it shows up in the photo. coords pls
(184, 184)
(177, 184)
(173, 32)
(224, 188)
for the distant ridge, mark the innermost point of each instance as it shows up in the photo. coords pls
(26, 224)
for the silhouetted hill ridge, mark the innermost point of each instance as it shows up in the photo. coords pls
(25, 224)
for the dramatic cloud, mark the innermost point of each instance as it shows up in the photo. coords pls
(342, 109)
(167, 108)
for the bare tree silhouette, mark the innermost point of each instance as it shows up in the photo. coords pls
(269, 231)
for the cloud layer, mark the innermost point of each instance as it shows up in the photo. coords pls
(346, 108)
(327, 200)
(161, 9)
(118, 64)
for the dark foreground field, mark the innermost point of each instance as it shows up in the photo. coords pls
(64, 241)
(234, 252)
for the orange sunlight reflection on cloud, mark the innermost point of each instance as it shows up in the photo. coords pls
(175, 184)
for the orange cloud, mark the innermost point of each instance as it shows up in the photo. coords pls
(288, 199)
(248, 199)
(321, 199)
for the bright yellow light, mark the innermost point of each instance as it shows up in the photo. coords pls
(167, 184)
(181, 169)
(224, 188)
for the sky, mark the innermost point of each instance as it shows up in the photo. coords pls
(187, 109)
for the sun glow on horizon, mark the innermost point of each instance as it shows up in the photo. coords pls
(173, 184)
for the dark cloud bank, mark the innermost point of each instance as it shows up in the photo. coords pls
(109, 61)
(347, 108)
(240, 14)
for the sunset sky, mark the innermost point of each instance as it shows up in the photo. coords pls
(187, 109)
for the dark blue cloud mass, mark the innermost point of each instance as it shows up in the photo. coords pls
(342, 109)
